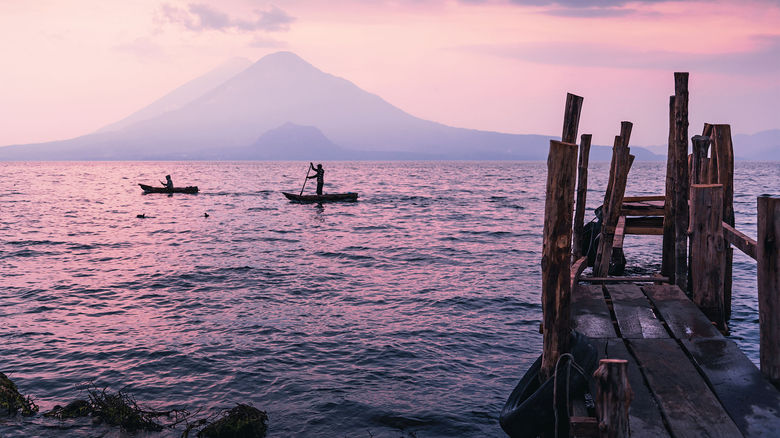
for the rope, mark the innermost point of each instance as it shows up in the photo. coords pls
(571, 363)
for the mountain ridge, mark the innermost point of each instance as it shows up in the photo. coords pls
(277, 90)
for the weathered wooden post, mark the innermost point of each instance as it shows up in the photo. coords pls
(768, 258)
(667, 253)
(556, 253)
(571, 118)
(681, 180)
(613, 397)
(708, 251)
(613, 199)
(700, 164)
(723, 151)
(582, 190)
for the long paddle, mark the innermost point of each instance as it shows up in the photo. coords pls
(305, 179)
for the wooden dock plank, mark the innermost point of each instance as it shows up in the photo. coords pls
(644, 416)
(590, 315)
(690, 408)
(684, 319)
(750, 400)
(635, 316)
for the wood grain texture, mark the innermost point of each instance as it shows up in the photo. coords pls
(708, 255)
(582, 191)
(667, 248)
(748, 397)
(690, 408)
(634, 313)
(768, 260)
(681, 315)
(590, 314)
(613, 398)
(556, 253)
(739, 239)
(681, 180)
(571, 118)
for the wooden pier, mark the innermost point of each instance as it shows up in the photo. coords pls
(667, 367)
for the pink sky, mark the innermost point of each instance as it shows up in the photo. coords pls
(72, 67)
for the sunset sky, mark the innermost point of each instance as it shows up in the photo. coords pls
(71, 67)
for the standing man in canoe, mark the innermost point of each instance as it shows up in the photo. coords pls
(320, 175)
(168, 184)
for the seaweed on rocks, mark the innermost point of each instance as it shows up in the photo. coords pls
(242, 421)
(74, 409)
(12, 401)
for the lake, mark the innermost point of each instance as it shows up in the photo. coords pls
(412, 312)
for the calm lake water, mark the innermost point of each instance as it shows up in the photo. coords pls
(412, 312)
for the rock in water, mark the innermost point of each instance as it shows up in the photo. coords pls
(11, 401)
(243, 421)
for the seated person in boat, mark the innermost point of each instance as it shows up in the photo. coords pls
(168, 184)
(320, 175)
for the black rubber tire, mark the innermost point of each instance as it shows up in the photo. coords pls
(528, 412)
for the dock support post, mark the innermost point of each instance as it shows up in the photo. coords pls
(723, 170)
(667, 253)
(556, 253)
(768, 259)
(571, 118)
(582, 190)
(700, 164)
(708, 251)
(680, 145)
(613, 397)
(613, 198)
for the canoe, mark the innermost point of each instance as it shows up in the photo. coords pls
(150, 189)
(327, 197)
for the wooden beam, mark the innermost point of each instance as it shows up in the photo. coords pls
(582, 190)
(740, 240)
(571, 118)
(577, 268)
(681, 180)
(708, 256)
(768, 259)
(556, 253)
(613, 397)
(624, 279)
(643, 198)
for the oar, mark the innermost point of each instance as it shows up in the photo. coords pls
(304, 180)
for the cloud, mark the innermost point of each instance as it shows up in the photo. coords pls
(762, 58)
(199, 17)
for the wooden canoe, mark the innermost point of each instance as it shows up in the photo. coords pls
(327, 197)
(151, 189)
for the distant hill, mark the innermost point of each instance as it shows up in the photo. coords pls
(761, 146)
(282, 107)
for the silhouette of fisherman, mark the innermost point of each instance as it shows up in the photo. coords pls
(168, 184)
(320, 175)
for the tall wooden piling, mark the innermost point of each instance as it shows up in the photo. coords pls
(571, 118)
(723, 170)
(681, 180)
(582, 190)
(667, 252)
(613, 397)
(768, 258)
(613, 198)
(700, 164)
(708, 251)
(556, 253)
